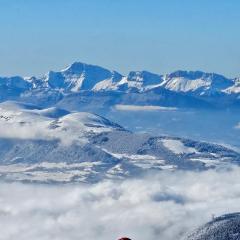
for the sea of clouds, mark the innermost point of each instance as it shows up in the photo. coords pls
(165, 206)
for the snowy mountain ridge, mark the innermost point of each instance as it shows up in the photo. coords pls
(78, 78)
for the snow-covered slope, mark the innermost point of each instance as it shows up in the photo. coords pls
(197, 82)
(234, 89)
(51, 123)
(55, 145)
(139, 81)
(191, 88)
(226, 227)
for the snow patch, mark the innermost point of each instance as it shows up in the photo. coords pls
(177, 147)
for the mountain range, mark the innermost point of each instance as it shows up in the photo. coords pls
(83, 86)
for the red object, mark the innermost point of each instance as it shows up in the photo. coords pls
(124, 238)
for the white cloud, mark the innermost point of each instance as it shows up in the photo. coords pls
(237, 126)
(29, 131)
(143, 108)
(40, 130)
(163, 206)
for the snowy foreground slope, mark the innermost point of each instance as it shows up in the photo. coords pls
(226, 227)
(55, 145)
(81, 86)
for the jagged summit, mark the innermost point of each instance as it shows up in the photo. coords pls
(80, 76)
(75, 67)
(80, 67)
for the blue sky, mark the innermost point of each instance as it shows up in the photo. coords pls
(156, 35)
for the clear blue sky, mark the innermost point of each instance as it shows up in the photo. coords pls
(155, 35)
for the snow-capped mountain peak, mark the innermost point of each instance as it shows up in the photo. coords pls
(74, 68)
(80, 76)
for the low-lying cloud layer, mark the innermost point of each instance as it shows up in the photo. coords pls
(143, 108)
(164, 206)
